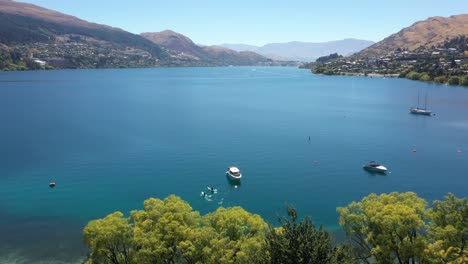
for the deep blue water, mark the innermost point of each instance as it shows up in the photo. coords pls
(112, 138)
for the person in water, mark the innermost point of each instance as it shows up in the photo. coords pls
(213, 190)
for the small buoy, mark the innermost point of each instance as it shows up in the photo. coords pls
(52, 184)
(459, 151)
(414, 150)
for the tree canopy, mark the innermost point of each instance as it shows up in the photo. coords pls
(399, 228)
(386, 228)
(302, 243)
(170, 231)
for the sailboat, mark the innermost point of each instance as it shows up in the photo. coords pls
(421, 111)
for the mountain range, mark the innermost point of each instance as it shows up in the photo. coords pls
(431, 32)
(304, 51)
(214, 55)
(31, 33)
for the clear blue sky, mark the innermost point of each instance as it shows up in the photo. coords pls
(259, 22)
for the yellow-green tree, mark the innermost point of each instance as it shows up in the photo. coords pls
(110, 240)
(387, 228)
(169, 231)
(448, 231)
(238, 236)
(163, 230)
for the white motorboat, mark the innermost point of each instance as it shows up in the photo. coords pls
(375, 167)
(234, 173)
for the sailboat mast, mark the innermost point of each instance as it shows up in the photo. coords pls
(425, 102)
(418, 97)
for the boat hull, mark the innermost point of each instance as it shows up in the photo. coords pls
(380, 169)
(233, 177)
(418, 111)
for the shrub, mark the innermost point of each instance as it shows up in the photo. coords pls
(440, 79)
(454, 80)
(425, 77)
(413, 75)
(464, 80)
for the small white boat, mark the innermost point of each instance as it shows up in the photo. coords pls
(375, 167)
(234, 173)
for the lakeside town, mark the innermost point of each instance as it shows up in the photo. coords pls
(447, 63)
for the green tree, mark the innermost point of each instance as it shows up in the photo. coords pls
(413, 75)
(110, 240)
(464, 80)
(440, 79)
(302, 243)
(448, 231)
(168, 231)
(386, 227)
(425, 77)
(454, 80)
(238, 236)
(163, 230)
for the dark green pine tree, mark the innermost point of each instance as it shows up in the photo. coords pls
(302, 243)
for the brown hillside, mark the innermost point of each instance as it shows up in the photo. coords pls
(175, 41)
(216, 55)
(34, 11)
(231, 57)
(432, 31)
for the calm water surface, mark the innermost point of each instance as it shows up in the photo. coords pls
(112, 138)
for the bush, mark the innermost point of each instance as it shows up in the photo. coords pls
(328, 72)
(454, 80)
(425, 77)
(402, 74)
(440, 79)
(464, 80)
(413, 75)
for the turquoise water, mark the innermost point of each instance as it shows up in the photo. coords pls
(112, 138)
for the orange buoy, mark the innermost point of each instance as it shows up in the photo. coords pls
(52, 184)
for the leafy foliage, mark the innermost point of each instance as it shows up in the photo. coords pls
(110, 239)
(464, 80)
(448, 231)
(170, 231)
(413, 75)
(327, 58)
(322, 70)
(302, 243)
(387, 227)
(454, 80)
(440, 79)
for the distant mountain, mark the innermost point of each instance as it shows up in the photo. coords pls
(304, 51)
(241, 47)
(227, 56)
(214, 55)
(433, 31)
(176, 42)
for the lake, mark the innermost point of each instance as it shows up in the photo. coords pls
(112, 138)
